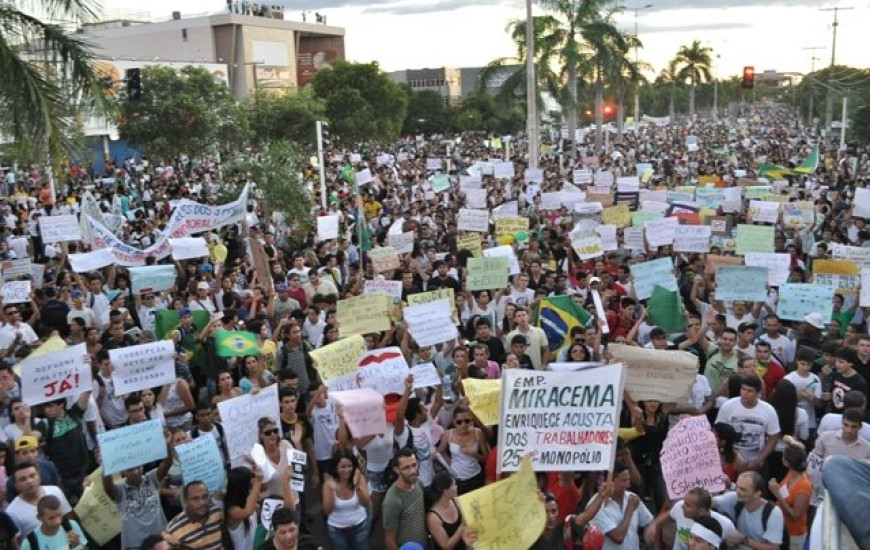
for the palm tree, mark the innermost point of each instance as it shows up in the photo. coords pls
(45, 72)
(624, 74)
(669, 77)
(694, 64)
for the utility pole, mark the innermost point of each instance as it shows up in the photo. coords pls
(829, 101)
(636, 10)
(716, 89)
(531, 92)
(320, 126)
(813, 60)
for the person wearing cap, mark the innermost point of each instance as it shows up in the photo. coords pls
(282, 304)
(809, 333)
(203, 300)
(79, 309)
(26, 449)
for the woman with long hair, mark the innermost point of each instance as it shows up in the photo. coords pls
(732, 463)
(241, 501)
(464, 447)
(793, 421)
(345, 503)
(256, 375)
(443, 518)
(270, 454)
(226, 388)
(792, 493)
(22, 420)
(646, 449)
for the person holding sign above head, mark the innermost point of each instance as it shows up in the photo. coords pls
(64, 441)
(623, 514)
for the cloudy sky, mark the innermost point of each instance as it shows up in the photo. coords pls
(413, 34)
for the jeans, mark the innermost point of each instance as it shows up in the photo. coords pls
(848, 483)
(352, 538)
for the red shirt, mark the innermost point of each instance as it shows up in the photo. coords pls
(771, 377)
(568, 498)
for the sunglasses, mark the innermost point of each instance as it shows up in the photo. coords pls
(273, 431)
(462, 421)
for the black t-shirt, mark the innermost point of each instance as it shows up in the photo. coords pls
(842, 385)
(8, 530)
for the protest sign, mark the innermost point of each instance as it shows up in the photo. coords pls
(692, 238)
(430, 323)
(586, 241)
(97, 513)
(201, 460)
(297, 460)
(469, 182)
(64, 373)
(425, 376)
(608, 237)
(641, 217)
(502, 170)
(384, 258)
(434, 164)
(363, 314)
(432, 295)
(440, 183)
(14, 269)
(628, 184)
(714, 262)
(487, 273)
(510, 227)
(857, 254)
(798, 214)
(764, 211)
(603, 179)
(16, 292)
(591, 162)
(152, 278)
(842, 275)
(505, 251)
(484, 398)
(567, 419)
(363, 411)
(490, 511)
(690, 458)
(796, 301)
(597, 195)
(661, 232)
(471, 243)
(656, 272)
(90, 261)
(473, 220)
(582, 176)
(590, 210)
(535, 175)
(327, 227)
(363, 177)
(131, 446)
(144, 366)
(551, 200)
(337, 362)
(187, 248)
(756, 192)
(653, 196)
(747, 283)
(778, 265)
(634, 238)
(662, 375)
(261, 264)
(56, 229)
(861, 204)
(618, 215)
(402, 243)
(240, 414)
(393, 289)
(383, 370)
(509, 209)
(864, 296)
(754, 238)
(475, 198)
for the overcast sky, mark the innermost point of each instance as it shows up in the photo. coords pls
(413, 34)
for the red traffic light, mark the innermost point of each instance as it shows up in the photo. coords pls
(608, 109)
(748, 77)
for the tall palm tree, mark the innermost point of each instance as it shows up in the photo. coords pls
(624, 74)
(45, 72)
(669, 77)
(694, 64)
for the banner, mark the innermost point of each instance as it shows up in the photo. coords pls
(201, 460)
(690, 458)
(187, 248)
(402, 243)
(90, 208)
(764, 211)
(655, 272)
(798, 214)
(487, 273)
(663, 375)
(567, 420)
(239, 417)
(144, 366)
(132, 446)
(56, 229)
(842, 275)
(484, 399)
(511, 227)
(383, 370)
(91, 261)
(796, 301)
(490, 510)
(337, 362)
(692, 238)
(152, 278)
(363, 411)
(364, 314)
(430, 323)
(660, 232)
(741, 283)
(65, 373)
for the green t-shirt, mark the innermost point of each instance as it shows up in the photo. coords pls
(405, 512)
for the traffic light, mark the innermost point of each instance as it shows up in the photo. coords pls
(134, 84)
(325, 138)
(748, 81)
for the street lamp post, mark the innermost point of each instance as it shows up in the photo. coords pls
(531, 89)
(829, 100)
(636, 10)
(716, 89)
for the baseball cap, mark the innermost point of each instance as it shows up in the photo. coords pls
(202, 285)
(183, 312)
(26, 443)
(281, 288)
(75, 294)
(113, 295)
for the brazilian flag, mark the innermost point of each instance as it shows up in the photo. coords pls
(556, 316)
(236, 343)
(809, 165)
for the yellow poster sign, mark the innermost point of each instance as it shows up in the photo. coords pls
(431, 296)
(339, 358)
(505, 227)
(97, 512)
(364, 314)
(471, 243)
(704, 181)
(843, 275)
(506, 515)
(484, 398)
(618, 215)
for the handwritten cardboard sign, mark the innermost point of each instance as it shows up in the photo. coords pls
(64, 373)
(690, 458)
(363, 411)
(131, 446)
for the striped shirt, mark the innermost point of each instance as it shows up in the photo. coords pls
(205, 535)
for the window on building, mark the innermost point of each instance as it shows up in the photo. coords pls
(184, 35)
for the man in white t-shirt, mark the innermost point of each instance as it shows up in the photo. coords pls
(521, 294)
(695, 504)
(781, 346)
(538, 346)
(755, 421)
(412, 417)
(79, 309)
(22, 509)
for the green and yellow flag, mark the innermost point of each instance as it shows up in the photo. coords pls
(236, 343)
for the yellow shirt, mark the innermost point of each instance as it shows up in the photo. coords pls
(269, 351)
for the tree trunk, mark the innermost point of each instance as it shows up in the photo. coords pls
(572, 109)
(599, 114)
(671, 109)
(620, 118)
(692, 103)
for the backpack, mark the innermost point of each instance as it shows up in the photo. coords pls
(33, 540)
(765, 515)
